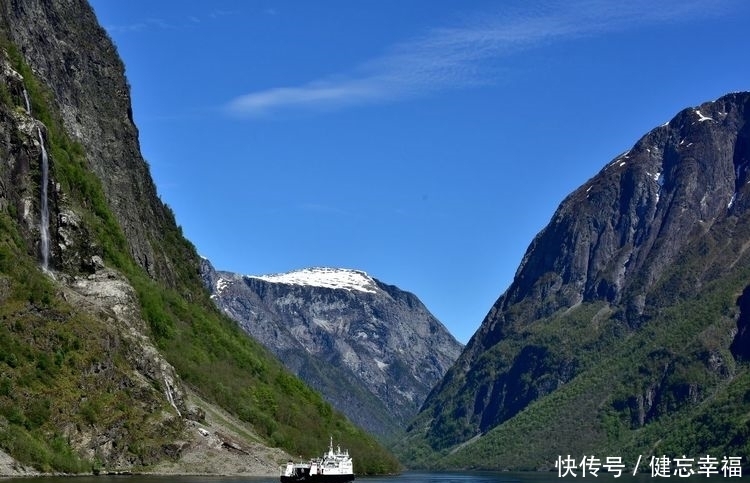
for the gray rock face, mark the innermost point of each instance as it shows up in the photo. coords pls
(613, 237)
(65, 46)
(678, 198)
(373, 350)
(637, 214)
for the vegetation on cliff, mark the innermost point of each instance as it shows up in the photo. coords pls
(66, 383)
(671, 389)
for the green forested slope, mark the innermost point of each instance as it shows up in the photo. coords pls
(672, 389)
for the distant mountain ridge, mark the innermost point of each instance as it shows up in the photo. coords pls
(625, 327)
(373, 350)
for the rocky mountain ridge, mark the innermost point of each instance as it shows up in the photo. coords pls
(651, 249)
(373, 350)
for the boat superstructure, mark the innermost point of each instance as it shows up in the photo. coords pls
(334, 467)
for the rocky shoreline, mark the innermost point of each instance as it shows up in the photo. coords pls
(219, 445)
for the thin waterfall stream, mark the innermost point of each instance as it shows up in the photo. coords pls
(28, 104)
(44, 207)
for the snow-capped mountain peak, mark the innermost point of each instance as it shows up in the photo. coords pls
(336, 278)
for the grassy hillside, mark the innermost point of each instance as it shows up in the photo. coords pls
(50, 353)
(50, 349)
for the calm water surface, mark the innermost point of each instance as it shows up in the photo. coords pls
(408, 477)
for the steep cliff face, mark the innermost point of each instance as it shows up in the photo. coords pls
(622, 229)
(112, 355)
(373, 350)
(64, 45)
(608, 287)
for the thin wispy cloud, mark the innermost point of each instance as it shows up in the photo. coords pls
(219, 13)
(141, 25)
(154, 23)
(464, 55)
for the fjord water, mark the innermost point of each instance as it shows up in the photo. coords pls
(407, 477)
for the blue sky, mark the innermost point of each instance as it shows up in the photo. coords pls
(424, 142)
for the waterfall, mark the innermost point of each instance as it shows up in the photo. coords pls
(170, 398)
(44, 222)
(28, 104)
(44, 228)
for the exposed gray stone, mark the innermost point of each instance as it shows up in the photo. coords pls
(374, 351)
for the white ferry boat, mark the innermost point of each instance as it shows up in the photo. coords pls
(333, 467)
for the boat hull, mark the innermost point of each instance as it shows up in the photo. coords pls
(317, 479)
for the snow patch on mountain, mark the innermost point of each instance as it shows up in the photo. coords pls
(701, 117)
(336, 278)
(221, 284)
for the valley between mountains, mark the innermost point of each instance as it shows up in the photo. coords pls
(624, 331)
